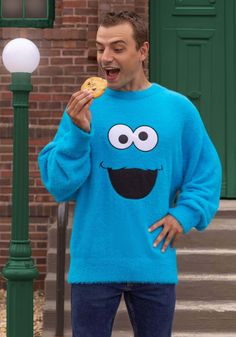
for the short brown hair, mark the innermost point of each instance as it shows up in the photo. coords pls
(139, 25)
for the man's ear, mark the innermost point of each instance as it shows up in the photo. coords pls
(144, 49)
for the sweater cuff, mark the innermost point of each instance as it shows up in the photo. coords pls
(79, 140)
(187, 217)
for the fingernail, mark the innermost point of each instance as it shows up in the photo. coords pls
(149, 229)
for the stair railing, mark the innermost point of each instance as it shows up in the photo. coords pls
(62, 222)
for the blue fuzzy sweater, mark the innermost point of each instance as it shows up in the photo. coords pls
(147, 155)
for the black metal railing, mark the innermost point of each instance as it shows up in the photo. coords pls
(62, 222)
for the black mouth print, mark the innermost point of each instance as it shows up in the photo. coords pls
(132, 183)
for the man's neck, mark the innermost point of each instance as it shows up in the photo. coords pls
(140, 83)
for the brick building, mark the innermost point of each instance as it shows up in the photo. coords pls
(68, 56)
(186, 55)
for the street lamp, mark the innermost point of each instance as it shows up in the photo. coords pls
(20, 57)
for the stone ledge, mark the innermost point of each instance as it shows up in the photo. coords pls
(227, 205)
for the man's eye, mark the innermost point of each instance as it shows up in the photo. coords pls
(99, 50)
(118, 50)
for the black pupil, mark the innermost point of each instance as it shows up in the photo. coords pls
(123, 139)
(143, 135)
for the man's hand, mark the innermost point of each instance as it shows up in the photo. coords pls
(171, 230)
(78, 109)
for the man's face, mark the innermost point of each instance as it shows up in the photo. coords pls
(119, 58)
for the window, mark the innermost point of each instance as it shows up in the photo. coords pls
(27, 13)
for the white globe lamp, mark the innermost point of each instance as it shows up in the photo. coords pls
(20, 56)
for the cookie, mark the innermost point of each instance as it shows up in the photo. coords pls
(96, 85)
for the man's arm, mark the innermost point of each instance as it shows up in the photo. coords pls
(65, 162)
(199, 195)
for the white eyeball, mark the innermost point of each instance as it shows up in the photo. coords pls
(120, 136)
(145, 138)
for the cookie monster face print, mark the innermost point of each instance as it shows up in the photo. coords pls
(132, 183)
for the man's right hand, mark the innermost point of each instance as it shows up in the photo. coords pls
(78, 109)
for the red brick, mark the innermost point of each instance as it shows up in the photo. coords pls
(65, 60)
(93, 19)
(52, 70)
(55, 88)
(92, 4)
(75, 52)
(68, 11)
(70, 20)
(40, 97)
(44, 198)
(5, 228)
(74, 3)
(40, 80)
(42, 244)
(6, 79)
(5, 93)
(61, 97)
(5, 174)
(41, 261)
(63, 34)
(63, 80)
(73, 70)
(38, 236)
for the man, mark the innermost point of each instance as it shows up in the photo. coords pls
(142, 170)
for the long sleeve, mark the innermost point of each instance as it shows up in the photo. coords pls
(199, 194)
(65, 162)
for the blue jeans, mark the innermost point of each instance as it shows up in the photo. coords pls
(150, 307)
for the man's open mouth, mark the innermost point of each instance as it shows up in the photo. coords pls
(111, 73)
(132, 183)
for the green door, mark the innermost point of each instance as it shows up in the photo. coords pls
(192, 51)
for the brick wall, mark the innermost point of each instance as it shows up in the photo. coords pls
(68, 56)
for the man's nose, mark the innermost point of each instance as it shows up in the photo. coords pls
(106, 56)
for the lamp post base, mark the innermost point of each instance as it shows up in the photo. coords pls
(20, 272)
(20, 308)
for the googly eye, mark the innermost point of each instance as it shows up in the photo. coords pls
(120, 136)
(145, 138)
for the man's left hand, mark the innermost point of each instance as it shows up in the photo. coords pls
(171, 230)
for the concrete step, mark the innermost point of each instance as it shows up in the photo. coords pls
(68, 333)
(205, 287)
(211, 238)
(52, 236)
(227, 208)
(50, 287)
(215, 261)
(49, 315)
(207, 316)
(52, 260)
(216, 316)
(203, 334)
